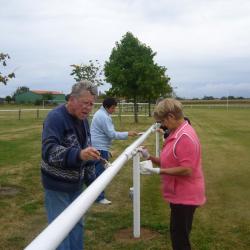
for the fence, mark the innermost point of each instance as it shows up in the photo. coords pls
(218, 106)
(123, 110)
(55, 233)
(36, 113)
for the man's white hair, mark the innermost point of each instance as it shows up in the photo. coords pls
(78, 87)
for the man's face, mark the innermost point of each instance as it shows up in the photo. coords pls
(82, 105)
(111, 110)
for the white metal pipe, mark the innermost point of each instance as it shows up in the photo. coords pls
(55, 233)
(136, 196)
(157, 144)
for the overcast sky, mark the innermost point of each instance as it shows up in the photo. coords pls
(205, 44)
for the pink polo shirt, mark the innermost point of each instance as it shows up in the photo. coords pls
(182, 148)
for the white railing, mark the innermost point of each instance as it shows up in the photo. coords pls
(37, 112)
(55, 232)
(127, 109)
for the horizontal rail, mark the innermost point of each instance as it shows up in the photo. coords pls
(231, 105)
(55, 233)
(17, 110)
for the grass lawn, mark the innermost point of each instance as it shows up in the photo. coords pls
(223, 223)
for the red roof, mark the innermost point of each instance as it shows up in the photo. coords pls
(42, 92)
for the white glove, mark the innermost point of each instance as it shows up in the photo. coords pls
(144, 152)
(146, 167)
(151, 170)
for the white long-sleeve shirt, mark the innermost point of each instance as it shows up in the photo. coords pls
(103, 132)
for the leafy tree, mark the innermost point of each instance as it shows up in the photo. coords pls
(92, 72)
(5, 78)
(208, 98)
(48, 97)
(19, 91)
(133, 73)
(157, 85)
(8, 99)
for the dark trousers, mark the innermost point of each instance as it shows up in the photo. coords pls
(99, 169)
(181, 219)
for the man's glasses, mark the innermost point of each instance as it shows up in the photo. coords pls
(85, 103)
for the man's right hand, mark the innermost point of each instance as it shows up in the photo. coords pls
(132, 133)
(89, 153)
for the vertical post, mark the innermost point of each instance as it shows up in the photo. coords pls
(120, 112)
(157, 144)
(37, 113)
(19, 114)
(136, 196)
(227, 102)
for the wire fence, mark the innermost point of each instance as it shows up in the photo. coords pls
(122, 110)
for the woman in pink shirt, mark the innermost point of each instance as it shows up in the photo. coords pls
(180, 167)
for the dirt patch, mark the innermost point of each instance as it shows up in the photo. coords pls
(126, 235)
(9, 191)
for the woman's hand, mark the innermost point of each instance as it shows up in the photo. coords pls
(144, 152)
(149, 170)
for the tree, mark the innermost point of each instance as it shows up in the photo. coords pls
(8, 99)
(133, 74)
(92, 72)
(5, 78)
(19, 91)
(208, 98)
(157, 85)
(48, 97)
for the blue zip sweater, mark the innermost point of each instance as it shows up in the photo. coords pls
(61, 167)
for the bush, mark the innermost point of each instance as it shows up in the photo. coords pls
(38, 102)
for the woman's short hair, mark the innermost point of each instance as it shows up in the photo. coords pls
(78, 87)
(168, 106)
(109, 102)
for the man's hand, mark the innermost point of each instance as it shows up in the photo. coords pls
(132, 133)
(144, 152)
(89, 153)
(149, 170)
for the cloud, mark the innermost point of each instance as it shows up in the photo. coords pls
(198, 41)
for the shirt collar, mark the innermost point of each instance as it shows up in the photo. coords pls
(103, 109)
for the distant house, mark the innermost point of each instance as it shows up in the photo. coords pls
(34, 96)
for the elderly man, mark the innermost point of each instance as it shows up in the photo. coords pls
(67, 156)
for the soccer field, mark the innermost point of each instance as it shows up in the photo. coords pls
(222, 223)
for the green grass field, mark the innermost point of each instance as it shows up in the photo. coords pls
(223, 223)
